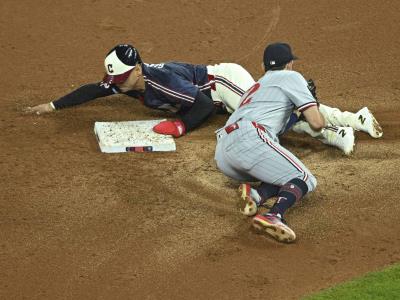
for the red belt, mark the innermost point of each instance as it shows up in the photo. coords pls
(259, 126)
(231, 128)
(234, 126)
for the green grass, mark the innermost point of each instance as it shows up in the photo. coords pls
(373, 286)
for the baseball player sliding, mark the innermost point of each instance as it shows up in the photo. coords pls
(248, 148)
(193, 92)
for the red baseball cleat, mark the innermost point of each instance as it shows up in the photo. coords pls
(247, 205)
(273, 226)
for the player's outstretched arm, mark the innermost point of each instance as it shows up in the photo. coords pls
(314, 118)
(81, 95)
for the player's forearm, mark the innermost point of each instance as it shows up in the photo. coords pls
(314, 118)
(81, 95)
(317, 123)
(200, 111)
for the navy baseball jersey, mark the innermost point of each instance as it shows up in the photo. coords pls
(170, 86)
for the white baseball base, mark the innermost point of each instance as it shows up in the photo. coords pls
(131, 136)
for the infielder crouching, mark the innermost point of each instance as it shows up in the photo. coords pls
(248, 147)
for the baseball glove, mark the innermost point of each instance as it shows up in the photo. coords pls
(313, 89)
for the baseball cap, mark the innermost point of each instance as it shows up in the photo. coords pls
(120, 62)
(277, 54)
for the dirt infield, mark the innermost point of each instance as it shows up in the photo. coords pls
(79, 224)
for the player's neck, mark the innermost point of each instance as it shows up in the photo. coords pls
(140, 85)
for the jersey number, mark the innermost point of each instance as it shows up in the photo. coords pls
(247, 96)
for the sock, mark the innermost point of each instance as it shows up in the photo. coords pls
(290, 192)
(255, 196)
(282, 204)
(267, 190)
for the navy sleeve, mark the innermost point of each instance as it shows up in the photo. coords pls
(84, 94)
(199, 112)
(175, 88)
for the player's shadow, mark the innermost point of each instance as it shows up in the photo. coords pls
(303, 146)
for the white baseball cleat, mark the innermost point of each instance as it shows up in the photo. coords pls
(247, 205)
(340, 137)
(272, 225)
(345, 139)
(366, 122)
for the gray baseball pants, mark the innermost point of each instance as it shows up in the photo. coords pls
(250, 154)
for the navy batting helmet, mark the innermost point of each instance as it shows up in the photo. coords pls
(120, 62)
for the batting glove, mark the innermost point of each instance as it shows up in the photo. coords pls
(174, 128)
